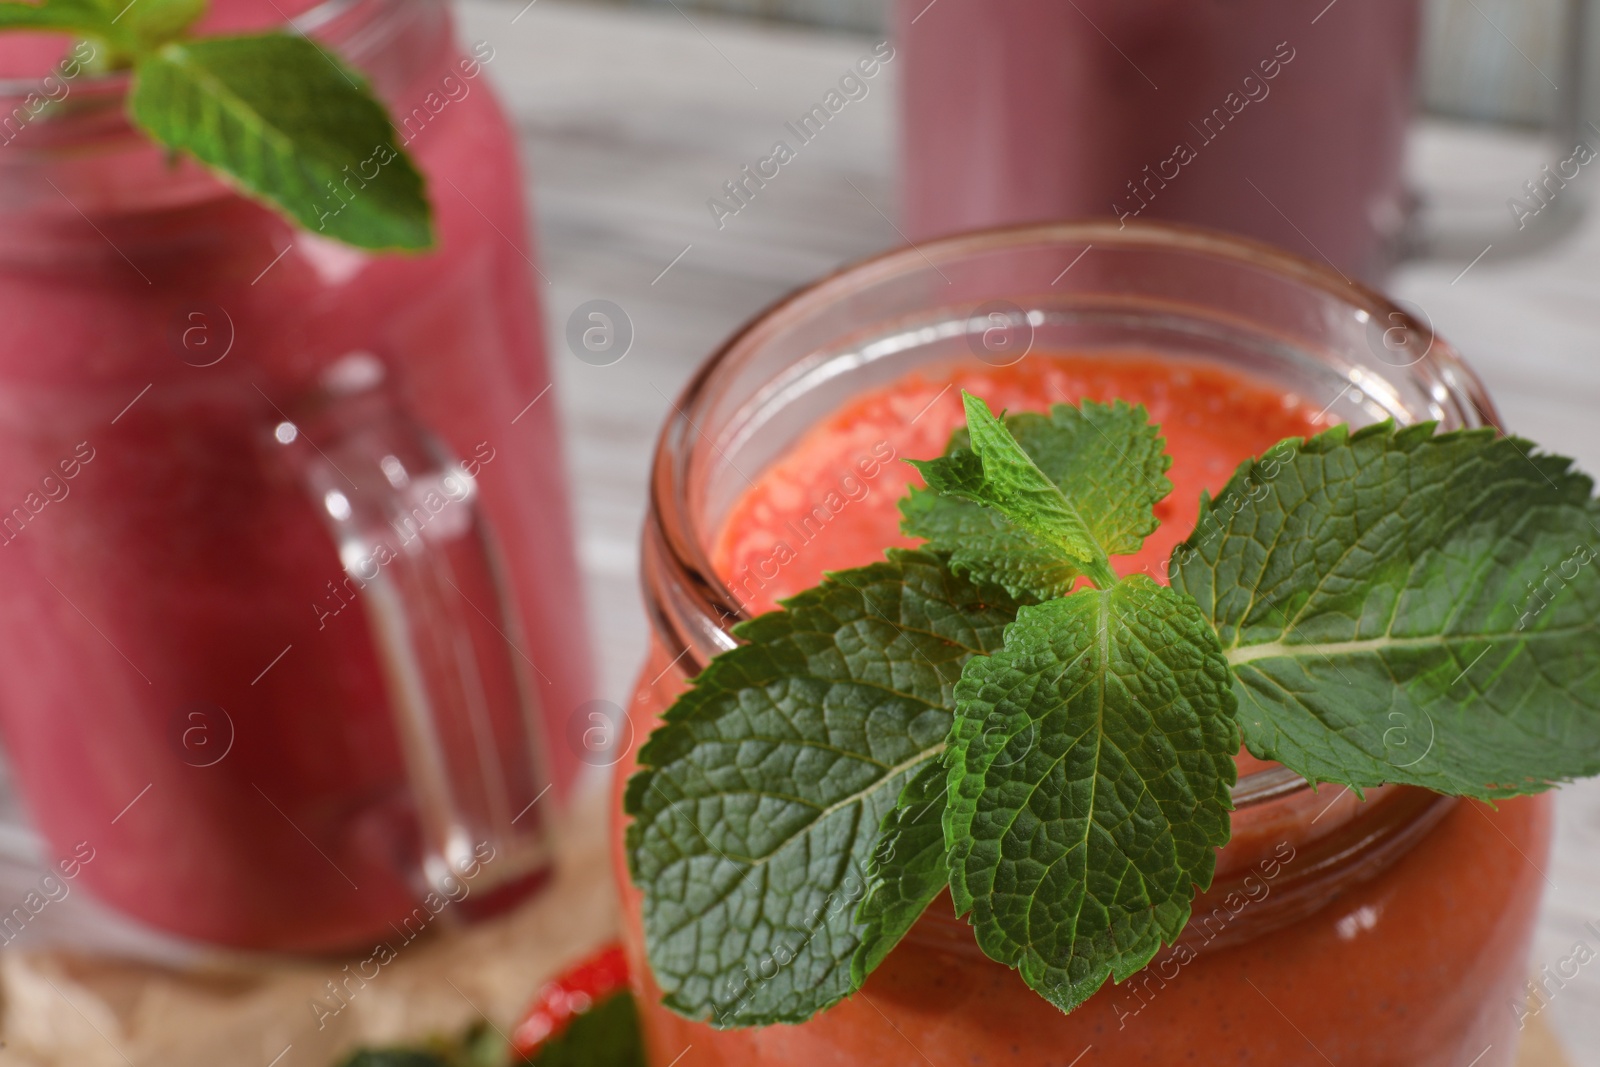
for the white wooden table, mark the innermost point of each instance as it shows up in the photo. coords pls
(631, 118)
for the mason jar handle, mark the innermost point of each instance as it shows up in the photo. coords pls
(406, 518)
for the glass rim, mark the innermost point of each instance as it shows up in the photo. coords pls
(672, 535)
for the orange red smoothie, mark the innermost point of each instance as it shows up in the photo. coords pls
(1386, 932)
(833, 501)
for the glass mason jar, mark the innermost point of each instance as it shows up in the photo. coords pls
(1285, 122)
(1389, 931)
(290, 586)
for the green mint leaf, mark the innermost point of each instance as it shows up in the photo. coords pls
(155, 22)
(1105, 461)
(1404, 606)
(1090, 775)
(83, 18)
(997, 473)
(905, 871)
(607, 1035)
(289, 124)
(759, 797)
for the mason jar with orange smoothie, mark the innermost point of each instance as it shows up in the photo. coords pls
(1385, 925)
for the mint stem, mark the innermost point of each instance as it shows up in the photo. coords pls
(1100, 573)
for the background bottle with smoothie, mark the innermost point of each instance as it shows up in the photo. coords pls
(1282, 121)
(198, 686)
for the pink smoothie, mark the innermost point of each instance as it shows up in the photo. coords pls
(158, 557)
(1282, 120)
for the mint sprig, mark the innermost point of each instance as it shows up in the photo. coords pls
(274, 114)
(905, 871)
(1090, 770)
(153, 24)
(1406, 606)
(82, 18)
(291, 125)
(994, 500)
(1332, 600)
(761, 793)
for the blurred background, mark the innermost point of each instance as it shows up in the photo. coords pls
(1473, 63)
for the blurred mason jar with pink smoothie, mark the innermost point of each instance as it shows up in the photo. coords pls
(292, 626)
(1281, 120)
